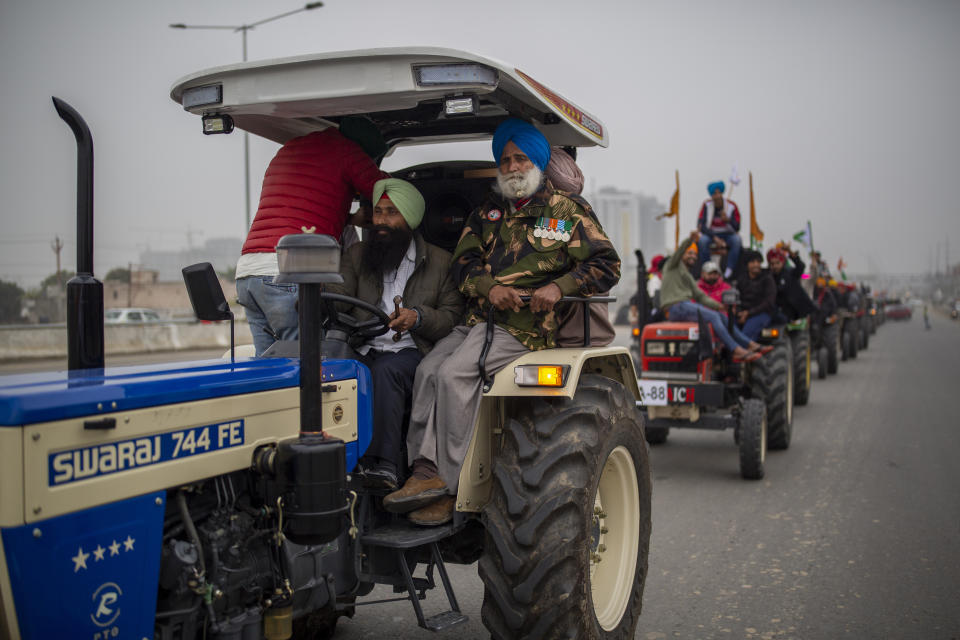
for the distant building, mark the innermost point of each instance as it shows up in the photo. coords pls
(629, 220)
(222, 253)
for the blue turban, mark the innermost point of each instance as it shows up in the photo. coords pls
(526, 137)
(714, 186)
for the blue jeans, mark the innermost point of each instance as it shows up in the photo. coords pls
(755, 324)
(686, 311)
(271, 310)
(733, 247)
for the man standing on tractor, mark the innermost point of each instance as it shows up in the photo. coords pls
(680, 290)
(792, 301)
(758, 296)
(397, 261)
(309, 184)
(523, 241)
(719, 218)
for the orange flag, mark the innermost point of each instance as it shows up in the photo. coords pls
(674, 211)
(756, 236)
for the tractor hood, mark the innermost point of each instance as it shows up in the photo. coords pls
(403, 90)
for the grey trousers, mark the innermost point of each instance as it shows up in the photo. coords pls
(447, 391)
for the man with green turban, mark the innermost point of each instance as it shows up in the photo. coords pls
(395, 260)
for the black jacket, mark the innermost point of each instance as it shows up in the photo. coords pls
(792, 300)
(759, 295)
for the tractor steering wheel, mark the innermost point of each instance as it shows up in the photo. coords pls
(335, 320)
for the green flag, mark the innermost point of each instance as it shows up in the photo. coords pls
(805, 237)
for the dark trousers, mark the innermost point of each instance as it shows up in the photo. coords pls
(392, 375)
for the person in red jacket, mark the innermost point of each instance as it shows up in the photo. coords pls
(710, 281)
(309, 186)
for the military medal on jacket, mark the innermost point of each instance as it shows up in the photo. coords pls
(552, 229)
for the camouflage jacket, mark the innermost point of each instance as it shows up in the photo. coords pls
(499, 246)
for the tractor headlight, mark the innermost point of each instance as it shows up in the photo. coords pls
(770, 333)
(202, 96)
(455, 74)
(685, 347)
(308, 257)
(655, 348)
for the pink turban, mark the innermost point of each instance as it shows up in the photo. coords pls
(563, 173)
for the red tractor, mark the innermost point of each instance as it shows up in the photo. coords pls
(688, 379)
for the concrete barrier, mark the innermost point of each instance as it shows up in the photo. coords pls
(50, 341)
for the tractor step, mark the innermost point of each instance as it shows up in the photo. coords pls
(402, 536)
(405, 535)
(445, 620)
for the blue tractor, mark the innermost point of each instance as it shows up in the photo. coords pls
(216, 499)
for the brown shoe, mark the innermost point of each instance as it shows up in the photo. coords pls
(440, 512)
(415, 493)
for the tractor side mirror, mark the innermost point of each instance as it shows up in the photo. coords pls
(730, 297)
(206, 296)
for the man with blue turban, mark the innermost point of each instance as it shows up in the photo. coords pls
(524, 240)
(393, 261)
(719, 217)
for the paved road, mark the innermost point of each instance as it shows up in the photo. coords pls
(854, 532)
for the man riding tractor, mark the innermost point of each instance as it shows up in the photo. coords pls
(758, 306)
(793, 310)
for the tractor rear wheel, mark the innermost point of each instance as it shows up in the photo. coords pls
(656, 435)
(801, 367)
(568, 522)
(823, 363)
(771, 380)
(752, 430)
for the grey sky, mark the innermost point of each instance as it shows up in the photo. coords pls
(846, 112)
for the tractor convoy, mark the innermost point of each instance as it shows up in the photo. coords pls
(688, 379)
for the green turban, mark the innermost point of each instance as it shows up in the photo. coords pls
(404, 196)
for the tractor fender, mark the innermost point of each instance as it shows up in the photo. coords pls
(611, 362)
(614, 363)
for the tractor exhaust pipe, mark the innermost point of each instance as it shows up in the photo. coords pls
(84, 292)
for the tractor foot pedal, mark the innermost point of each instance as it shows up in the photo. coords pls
(404, 535)
(445, 620)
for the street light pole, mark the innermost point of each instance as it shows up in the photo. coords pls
(243, 28)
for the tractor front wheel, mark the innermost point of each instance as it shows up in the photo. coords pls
(801, 367)
(752, 430)
(771, 381)
(568, 522)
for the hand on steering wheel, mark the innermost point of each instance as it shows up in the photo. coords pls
(378, 325)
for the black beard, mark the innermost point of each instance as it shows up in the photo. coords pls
(383, 252)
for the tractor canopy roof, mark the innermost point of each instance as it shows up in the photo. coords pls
(408, 92)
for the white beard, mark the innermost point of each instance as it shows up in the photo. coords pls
(518, 184)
